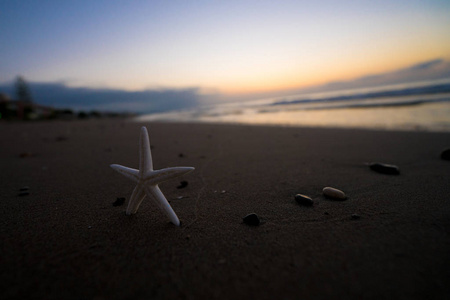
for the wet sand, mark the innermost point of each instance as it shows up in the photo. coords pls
(66, 239)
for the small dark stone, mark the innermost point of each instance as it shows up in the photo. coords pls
(356, 217)
(181, 155)
(445, 155)
(24, 189)
(61, 138)
(251, 219)
(303, 200)
(119, 201)
(182, 185)
(326, 213)
(25, 154)
(384, 168)
(25, 193)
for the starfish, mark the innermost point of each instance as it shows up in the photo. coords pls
(148, 179)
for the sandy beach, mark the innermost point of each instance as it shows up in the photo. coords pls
(62, 237)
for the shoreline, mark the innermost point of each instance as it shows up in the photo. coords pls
(431, 117)
(67, 240)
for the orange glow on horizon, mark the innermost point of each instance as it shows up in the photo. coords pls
(340, 71)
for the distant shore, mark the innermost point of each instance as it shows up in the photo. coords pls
(62, 237)
(382, 115)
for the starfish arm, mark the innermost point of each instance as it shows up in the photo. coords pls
(136, 199)
(155, 177)
(145, 155)
(158, 198)
(133, 174)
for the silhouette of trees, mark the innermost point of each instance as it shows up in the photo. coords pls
(22, 90)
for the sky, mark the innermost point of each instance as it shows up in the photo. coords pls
(231, 48)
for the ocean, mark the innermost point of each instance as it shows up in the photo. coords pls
(419, 106)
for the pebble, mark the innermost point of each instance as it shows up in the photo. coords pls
(384, 168)
(24, 193)
(182, 185)
(25, 154)
(24, 188)
(61, 138)
(252, 219)
(445, 155)
(119, 201)
(303, 200)
(356, 217)
(334, 193)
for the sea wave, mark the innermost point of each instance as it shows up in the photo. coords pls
(414, 107)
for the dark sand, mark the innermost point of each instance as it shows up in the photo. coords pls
(66, 240)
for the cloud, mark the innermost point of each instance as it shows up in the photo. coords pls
(426, 65)
(429, 70)
(146, 101)
(424, 71)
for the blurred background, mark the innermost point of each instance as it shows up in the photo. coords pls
(375, 64)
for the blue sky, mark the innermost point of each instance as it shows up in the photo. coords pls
(227, 47)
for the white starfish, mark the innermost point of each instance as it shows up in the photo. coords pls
(147, 180)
